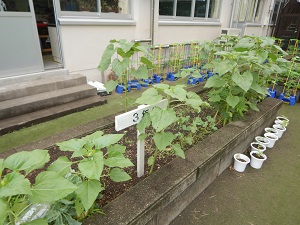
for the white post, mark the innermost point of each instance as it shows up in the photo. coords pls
(134, 117)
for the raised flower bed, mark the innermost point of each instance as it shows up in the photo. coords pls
(162, 196)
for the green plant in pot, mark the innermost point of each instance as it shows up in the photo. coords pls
(123, 63)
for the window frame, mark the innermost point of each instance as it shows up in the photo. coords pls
(192, 15)
(93, 15)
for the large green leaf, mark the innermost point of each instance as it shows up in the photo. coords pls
(118, 161)
(215, 81)
(232, 100)
(92, 137)
(146, 61)
(118, 175)
(71, 145)
(107, 140)
(27, 161)
(3, 211)
(106, 57)
(140, 73)
(177, 92)
(115, 150)
(163, 139)
(253, 106)
(244, 81)
(88, 191)
(49, 187)
(14, 184)
(244, 44)
(215, 98)
(119, 67)
(262, 56)
(111, 85)
(224, 67)
(92, 168)
(161, 118)
(257, 88)
(125, 45)
(149, 97)
(61, 165)
(178, 151)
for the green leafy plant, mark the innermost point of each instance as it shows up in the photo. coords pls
(93, 165)
(242, 76)
(122, 64)
(159, 120)
(17, 194)
(65, 192)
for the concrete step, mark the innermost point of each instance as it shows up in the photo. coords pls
(26, 120)
(27, 104)
(33, 87)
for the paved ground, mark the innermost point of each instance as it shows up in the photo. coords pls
(269, 196)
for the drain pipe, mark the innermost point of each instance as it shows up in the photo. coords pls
(152, 21)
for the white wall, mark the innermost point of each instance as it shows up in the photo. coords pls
(180, 34)
(83, 45)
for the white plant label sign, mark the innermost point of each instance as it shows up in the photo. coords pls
(134, 117)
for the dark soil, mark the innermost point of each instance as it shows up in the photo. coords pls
(258, 146)
(242, 160)
(114, 189)
(257, 156)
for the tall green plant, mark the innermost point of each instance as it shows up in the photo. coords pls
(118, 55)
(159, 120)
(242, 76)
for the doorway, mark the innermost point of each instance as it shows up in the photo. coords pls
(47, 32)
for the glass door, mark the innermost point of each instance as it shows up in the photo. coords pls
(20, 49)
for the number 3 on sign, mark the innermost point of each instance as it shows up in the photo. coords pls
(135, 117)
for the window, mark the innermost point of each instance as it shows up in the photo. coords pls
(275, 11)
(102, 7)
(14, 5)
(248, 10)
(190, 8)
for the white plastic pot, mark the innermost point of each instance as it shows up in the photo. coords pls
(272, 138)
(239, 165)
(260, 147)
(271, 130)
(282, 123)
(282, 120)
(262, 140)
(257, 163)
(280, 129)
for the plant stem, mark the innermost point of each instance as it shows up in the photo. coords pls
(154, 160)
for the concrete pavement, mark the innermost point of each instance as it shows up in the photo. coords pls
(269, 196)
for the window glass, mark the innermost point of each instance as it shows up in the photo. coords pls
(275, 12)
(258, 12)
(184, 7)
(250, 8)
(200, 8)
(166, 7)
(214, 9)
(78, 5)
(14, 5)
(115, 6)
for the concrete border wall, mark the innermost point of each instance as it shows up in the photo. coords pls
(162, 196)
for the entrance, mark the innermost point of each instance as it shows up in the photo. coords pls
(25, 42)
(46, 25)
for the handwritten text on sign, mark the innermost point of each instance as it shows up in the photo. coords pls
(134, 116)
